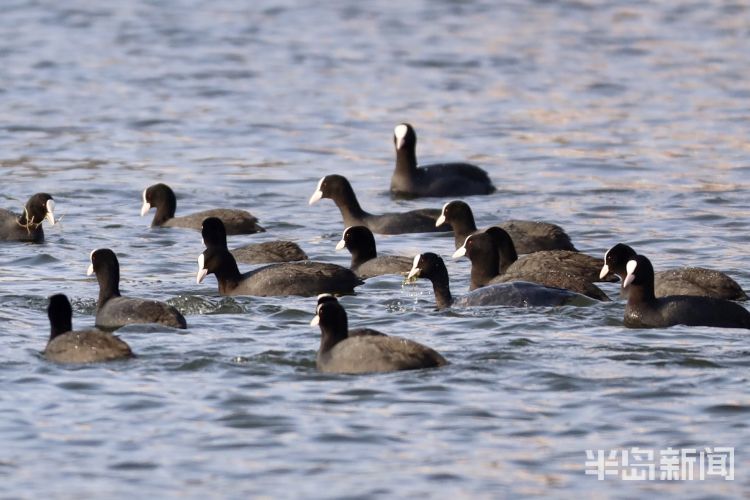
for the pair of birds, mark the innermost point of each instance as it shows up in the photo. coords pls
(341, 350)
(306, 278)
(407, 181)
(162, 198)
(710, 303)
(534, 288)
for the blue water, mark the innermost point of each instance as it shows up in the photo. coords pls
(620, 121)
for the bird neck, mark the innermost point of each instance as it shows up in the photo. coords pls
(484, 269)
(349, 207)
(640, 293)
(463, 227)
(507, 255)
(228, 274)
(62, 326)
(442, 291)
(109, 285)
(362, 254)
(165, 210)
(332, 335)
(406, 160)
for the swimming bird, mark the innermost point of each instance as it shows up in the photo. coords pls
(306, 278)
(443, 179)
(28, 226)
(696, 281)
(556, 268)
(161, 197)
(518, 293)
(338, 189)
(645, 310)
(354, 332)
(365, 259)
(340, 352)
(528, 236)
(113, 310)
(213, 230)
(66, 345)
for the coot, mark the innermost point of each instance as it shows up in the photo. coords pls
(645, 310)
(341, 353)
(163, 199)
(213, 231)
(304, 278)
(444, 179)
(519, 294)
(554, 268)
(528, 236)
(365, 260)
(353, 332)
(28, 225)
(696, 281)
(113, 310)
(66, 345)
(338, 189)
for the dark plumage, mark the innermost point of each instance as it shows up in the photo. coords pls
(214, 232)
(269, 251)
(163, 199)
(304, 278)
(340, 352)
(556, 268)
(444, 179)
(80, 346)
(365, 260)
(528, 236)
(28, 225)
(518, 293)
(645, 310)
(354, 332)
(338, 189)
(683, 281)
(113, 310)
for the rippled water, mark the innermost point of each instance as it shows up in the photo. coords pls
(620, 121)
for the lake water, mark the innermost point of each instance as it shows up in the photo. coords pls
(618, 120)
